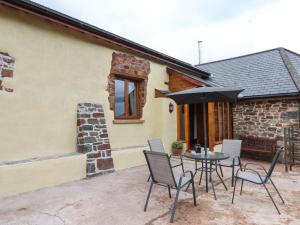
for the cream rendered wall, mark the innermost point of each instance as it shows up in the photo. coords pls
(31, 176)
(55, 69)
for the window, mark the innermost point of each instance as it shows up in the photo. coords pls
(126, 99)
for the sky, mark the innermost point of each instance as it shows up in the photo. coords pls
(227, 28)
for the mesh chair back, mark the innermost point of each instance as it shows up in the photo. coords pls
(232, 147)
(156, 145)
(160, 168)
(274, 161)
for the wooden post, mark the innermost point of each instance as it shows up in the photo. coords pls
(285, 148)
(230, 130)
(178, 121)
(211, 126)
(187, 126)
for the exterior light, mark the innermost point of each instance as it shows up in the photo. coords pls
(171, 107)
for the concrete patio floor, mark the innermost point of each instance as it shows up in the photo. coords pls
(119, 197)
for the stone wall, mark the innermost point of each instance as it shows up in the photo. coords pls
(6, 69)
(92, 138)
(265, 118)
(128, 66)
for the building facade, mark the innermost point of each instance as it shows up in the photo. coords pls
(76, 100)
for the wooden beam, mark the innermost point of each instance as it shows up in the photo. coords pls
(211, 125)
(184, 77)
(223, 121)
(187, 126)
(230, 130)
(178, 121)
(159, 94)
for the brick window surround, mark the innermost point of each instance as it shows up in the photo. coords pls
(128, 67)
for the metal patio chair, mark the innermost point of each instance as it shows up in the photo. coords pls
(156, 145)
(233, 149)
(162, 174)
(250, 175)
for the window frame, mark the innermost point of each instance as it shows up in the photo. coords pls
(138, 103)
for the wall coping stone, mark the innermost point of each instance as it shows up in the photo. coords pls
(130, 147)
(57, 156)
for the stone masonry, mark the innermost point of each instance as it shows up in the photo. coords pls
(265, 118)
(6, 69)
(92, 138)
(128, 66)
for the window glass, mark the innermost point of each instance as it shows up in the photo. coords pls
(119, 98)
(132, 98)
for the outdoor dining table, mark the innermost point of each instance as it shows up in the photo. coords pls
(208, 160)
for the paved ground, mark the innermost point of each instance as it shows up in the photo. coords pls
(118, 198)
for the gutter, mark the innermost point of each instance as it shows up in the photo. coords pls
(295, 94)
(57, 17)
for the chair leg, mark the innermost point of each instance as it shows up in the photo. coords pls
(174, 205)
(232, 176)
(212, 184)
(234, 190)
(271, 199)
(277, 191)
(169, 190)
(242, 187)
(220, 177)
(148, 196)
(221, 170)
(149, 177)
(239, 161)
(194, 194)
(182, 165)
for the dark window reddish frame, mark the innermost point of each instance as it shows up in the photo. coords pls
(127, 83)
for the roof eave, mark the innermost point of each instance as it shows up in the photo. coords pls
(55, 16)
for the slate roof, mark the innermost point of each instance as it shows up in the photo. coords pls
(274, 72)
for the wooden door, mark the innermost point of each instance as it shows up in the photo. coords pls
(219, 123)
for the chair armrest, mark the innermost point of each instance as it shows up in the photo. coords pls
(187, 171)
(255, 164)
(251, 170)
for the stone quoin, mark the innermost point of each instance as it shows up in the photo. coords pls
(92, 138)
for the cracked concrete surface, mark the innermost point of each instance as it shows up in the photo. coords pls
(118, 198)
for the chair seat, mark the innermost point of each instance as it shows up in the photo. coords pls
(229, 162)
(250, 176)
(175, 162)
(184, 181)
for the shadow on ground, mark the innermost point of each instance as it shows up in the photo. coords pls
(118, 198)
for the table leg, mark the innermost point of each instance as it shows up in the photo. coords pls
(201, 172)
(206, 176)
(219, 175)
(210, 179)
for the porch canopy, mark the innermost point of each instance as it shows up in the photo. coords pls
(204, 95)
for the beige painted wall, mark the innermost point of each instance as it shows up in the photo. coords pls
(31, 176)
(55, 69)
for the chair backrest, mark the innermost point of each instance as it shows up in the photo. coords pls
(160, 168)
(274, 161)
(156, 145)
(232, 147)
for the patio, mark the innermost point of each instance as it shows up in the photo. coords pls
(118, 198)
